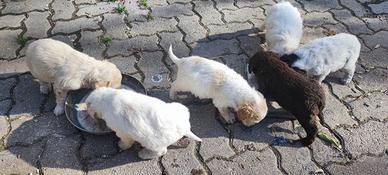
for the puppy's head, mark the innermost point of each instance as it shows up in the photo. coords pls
(251, 113)
(284, 46)
(105, 75)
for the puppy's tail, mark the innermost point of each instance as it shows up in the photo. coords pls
(191, 135)
(172, 56)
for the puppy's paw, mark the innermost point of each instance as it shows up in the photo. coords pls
(124, 146)
(58, 110)
(147, 154)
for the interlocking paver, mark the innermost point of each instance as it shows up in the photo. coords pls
(76, 24)
(11, 20)
(253, 3)
(155, 72)
(25, 6)
(320, 6)
(4, 106)
(371, 106)
(5, 87)
(219, 47)
(377, 23)
(172, 10)
(355, 25)
(176, 40)
(8, 43)
(296, 160)
(126, 64)
(193, 30)
(376, 39)
(366, 165)
(154, 26)
(20, 160)
(63, 9)
(90, 43)
(3, 122)
(242, 15)
(107, 146)
(115, 26)
(135, 44)
(379, 8)
(375, 80)
(16, 66)
(230, 30)
(208, 13)
(375, 58)
(37, 24)
(96, 9)
(358, 9)
(317, 19)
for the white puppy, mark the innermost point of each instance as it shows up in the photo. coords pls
(137, 117)
(329, 54)
(54, 62)
(284, 28)
(210, 79)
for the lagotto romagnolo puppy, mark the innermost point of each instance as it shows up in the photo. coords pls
(295, 92)
(210, 79)
(283, 27)
(54, 62)
(137, 117)
(329, 54)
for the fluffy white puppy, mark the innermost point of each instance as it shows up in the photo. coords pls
(210, 79)
(137, 117)
(329, 54)
(284, 28)
(54, 62)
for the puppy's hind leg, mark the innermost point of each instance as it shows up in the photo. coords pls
(349, 72)
(125, 141)
(309, 123)
(44, 87)
(150, 154)
(60, 95)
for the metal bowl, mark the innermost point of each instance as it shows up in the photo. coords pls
(75, 97)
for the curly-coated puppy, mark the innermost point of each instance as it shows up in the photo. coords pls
(54, 62)
(210, 79)
(295, 92)
(284, 28)
(329, 54)
(137, 117)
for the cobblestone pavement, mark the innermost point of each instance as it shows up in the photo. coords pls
(34, 141)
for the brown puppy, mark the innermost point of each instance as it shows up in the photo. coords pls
(297, 93)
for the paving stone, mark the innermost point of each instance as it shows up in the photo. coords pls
(334, 29)
(193, 30)
(20, 160)
(11, 21)
(225, 4)
(208, 13)
(335, 113)
(358, 9)
(176, 40)
(85, 2)
(172, 10)
(319, 6)
(364, 165)
(237, 62)
(5, 87)
(154, 26)
(27, 97)
(258, 136)
(4, 106)
(215, 48)
(296, 160)
(355, 25)
(312, 33)
(180, 1)
(37, 24)
(155, 72)
(68, 39)
(374, 58)
(63, 9)
(9, 68)
(60, 156)
(345, 91)
(374, 80)
(242, 15)
(156, 3)
(317, 19)
(126, 64)
(254, 3)
(380, 8)
(28, 130)
(76, 24)
(215, 139)
(369, 138)
(137, 13)
(371, 106)
(378, 23)
(378, 38)
(3, 124)
(8, 43)
(249, 44)
(96, 9)
(115, 26)
(124, 163)
(91, 45)
(135, 44)
(182, 161)
(25, 6)
(230, 30)
(107, 145)
(247, 163)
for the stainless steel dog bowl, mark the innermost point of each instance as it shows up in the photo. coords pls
(75, 97)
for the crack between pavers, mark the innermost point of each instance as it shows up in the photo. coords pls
(161, 166)
(218, 10)
(355, 159)
(200, 159)
(38, 162)
(82, 160)
(164, 58)
(35, 10)
(354, 14)
(200, 18)
(278, 160)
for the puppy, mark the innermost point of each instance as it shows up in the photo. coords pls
(210, 79)
(329, 54)
(284, 28)
(295, 92)
(54, 62)
(137, 117)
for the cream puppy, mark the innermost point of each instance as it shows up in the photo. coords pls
(209, 79)
(54, 62)
(284, 28)
(137, 117)
(329, 54)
